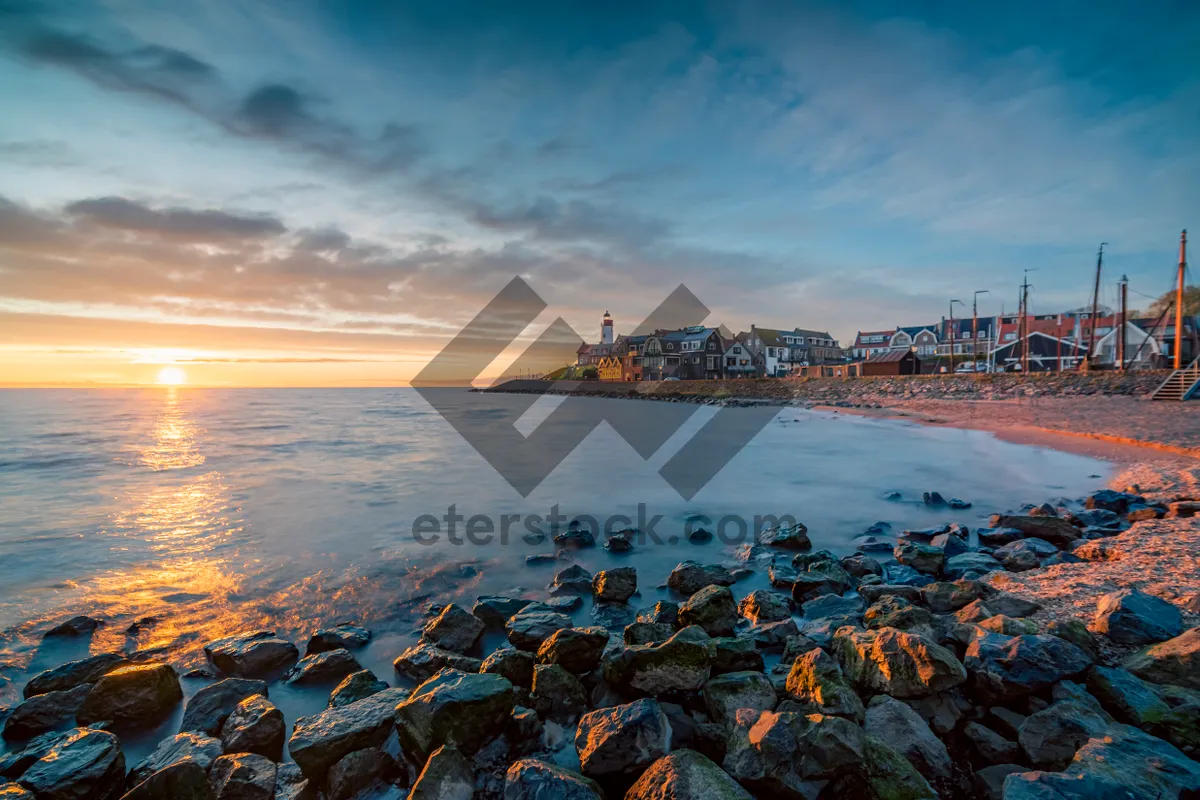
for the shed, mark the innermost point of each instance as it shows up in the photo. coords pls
(893, 362)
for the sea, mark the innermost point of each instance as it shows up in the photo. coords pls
(217, 511)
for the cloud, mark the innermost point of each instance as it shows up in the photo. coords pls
(208, 225)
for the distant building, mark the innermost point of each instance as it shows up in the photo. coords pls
(739, 360)
(892, 362)
(868, 343)
(1046, 354)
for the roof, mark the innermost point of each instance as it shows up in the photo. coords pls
(1043, 344)
(813, 334)
(692, 334)
(913, 330)
(858, 337)
(888, 356)
(770, 336)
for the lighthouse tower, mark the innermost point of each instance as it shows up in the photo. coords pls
(606, 329)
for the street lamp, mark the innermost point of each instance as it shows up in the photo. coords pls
(975, 328)
(964, 305)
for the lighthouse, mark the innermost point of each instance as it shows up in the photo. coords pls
(606, 329)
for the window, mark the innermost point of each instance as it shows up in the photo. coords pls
(730, 362)
(1008, 337)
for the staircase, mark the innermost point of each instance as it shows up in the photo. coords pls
(1183, 384)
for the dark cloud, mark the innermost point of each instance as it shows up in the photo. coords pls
(208, 225)
(574, 220)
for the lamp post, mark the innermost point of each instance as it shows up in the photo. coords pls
(975, 328)
(964, 305)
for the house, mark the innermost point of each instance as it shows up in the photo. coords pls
(609, 368)
(739, 360)
(1046, 354)
(808, 348)
(921, 339)
(701, 351)
(770, 345)
(631, 349)
(868, 343)
(660, 355)
(892, 362)
(972, 338)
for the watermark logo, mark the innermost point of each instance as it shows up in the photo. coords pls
(525, 461)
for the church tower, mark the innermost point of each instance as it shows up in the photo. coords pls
(606, 329)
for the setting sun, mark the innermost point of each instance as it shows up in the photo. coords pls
(171, 376)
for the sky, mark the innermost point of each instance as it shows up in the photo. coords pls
(303, 193)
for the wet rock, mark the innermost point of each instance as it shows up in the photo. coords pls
(872, 544)
(564, 605)
(736, 654)
(514, 665)
(622, 740)
(1127, 697)
(619, 542)
(685, 775)
(816, 683)
(725, 694)
(871, 594)
(45, 712)
(615, 585)
(896, 663)
(577, 650)
(454, 708)
(988, 746)
(190, 746)
(688, 577)
(1024, 555)
(784, 754)
(832, 606)
(1109, 500)
(647, 632)
(85, 764)
(533, 779)
(557, 694)
(1129, 616)
(772, 637)
(950, 544)
(921, 557)
(355, 687)
(664, 611)
(327, 667)
(902, 729)
(989, 781)
(1004, 668)
(713, 609)
(421, 661)
(447, 775)
(208, 708)
(359, 773)
(255, 726)
(290, 783)
(252, 655)
(957, 567)
(1010, 605)
(884, 774)
(575, 537)
(345, 635)
(572, 579)
(998, 537)
(454, 629)
(139, 694)
(182, 780)
(495, 611)
(682, 663)
(896, 612)
(1174, 661)
(74, 673)
(75, 626)
(612, 616)
(243, 776)
(538, 559)
(1054, 530)
(321, 740)
(786, 537)
(1096, 518)
(1076, 633)
(1051, 737)
(934, 499)
(973, 613)
(1007, 625)
(859, 565)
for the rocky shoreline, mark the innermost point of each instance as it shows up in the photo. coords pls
(932, 663)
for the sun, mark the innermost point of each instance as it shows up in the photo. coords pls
(171, 376)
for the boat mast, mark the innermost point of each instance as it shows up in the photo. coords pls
(1179, 300)
(1095, 304)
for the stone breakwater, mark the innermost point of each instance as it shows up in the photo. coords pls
(926, 664)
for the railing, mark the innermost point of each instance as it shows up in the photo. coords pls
(1180, 384)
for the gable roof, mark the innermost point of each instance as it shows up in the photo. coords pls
(889, 356)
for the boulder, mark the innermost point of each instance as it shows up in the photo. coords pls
(872, 593)
(290, 783)
(998, 537)
(816, 683)
(454, 708)
(321, 740)
(84, 764)
(958, 566)
(896, 612)
(355, 687)
(950, 544)
(896, 663)
(1051, 736)
(615, 585)
(772, 637)
(832, 606)
(663, 612)
(243, 776)
(75, 626)
(447, 775)
(612, 616)
(900, 574)
(1004, 667)
(1174, 661)
(74, 673)
(713, 609)
(902, 729)
(255, 726)
(573, 579)
(575, 537)
(360, 774)
(190, 746)
(1010, 605)
(422, 661)
(622, 740)
(495, 611)
(534, 624)
(577, 650)
(515, 665)
(1129, 616)
(1127, 697)
(989, 781)
(942, 712)
(1075, 632)
(688, 577)
(557, 694)
(682, 663)
(988, 746)
(1110, 500)
(252, 655)
(884, 774)
(725, 694)
(1007, 625)
(344, 636)
(326, 667)
(181, 780)
(454, 629)
(45, 712)
(685, 775)
(139, 694)
(564, 604)
(1022, 555)
(1055, 530)
(208, 708)
(784, 754)
(533, 779)
(647, 632)
(763, 605)
(786, 537)
(921, 557)
(736, 654)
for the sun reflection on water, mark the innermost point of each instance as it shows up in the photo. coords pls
(176, 438)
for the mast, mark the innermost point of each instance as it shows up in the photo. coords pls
(1025, 305)
(1179, 301)
(1095, 304)
(1124, 284)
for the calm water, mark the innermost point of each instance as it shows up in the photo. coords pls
(224, 510)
